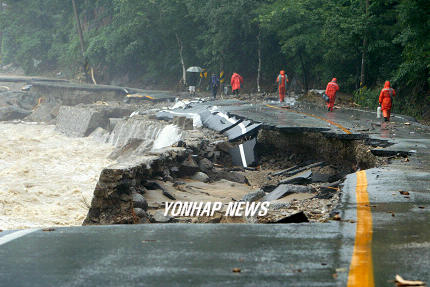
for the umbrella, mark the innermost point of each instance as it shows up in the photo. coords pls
(194, 69)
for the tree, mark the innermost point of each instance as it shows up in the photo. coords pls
(298, 27)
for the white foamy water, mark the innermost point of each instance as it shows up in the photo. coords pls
(46, 179)
(168, 136)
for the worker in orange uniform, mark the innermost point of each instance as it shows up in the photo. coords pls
(236, 81)
(282, 81)
(386, 100)
(330, 91)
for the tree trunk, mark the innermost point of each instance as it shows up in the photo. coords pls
(184, 72)
(305, 78)
(78, 25)
(259, 61)
(1, 34)
(89, 72)
(364, 54)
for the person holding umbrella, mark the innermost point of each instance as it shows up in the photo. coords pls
(193, 79)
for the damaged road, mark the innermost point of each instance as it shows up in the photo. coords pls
(252, 156)
(311, 165)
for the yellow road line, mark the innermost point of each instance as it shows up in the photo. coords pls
(361, 267)
(345, 130)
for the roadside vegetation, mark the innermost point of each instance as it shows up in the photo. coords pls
(148, 43)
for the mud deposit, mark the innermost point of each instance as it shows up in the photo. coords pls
(46, 179)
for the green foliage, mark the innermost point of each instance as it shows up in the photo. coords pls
(366, 97)
(313, 40)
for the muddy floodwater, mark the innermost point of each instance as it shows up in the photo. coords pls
(46, 179)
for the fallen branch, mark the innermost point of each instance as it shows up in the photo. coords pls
(402, 282)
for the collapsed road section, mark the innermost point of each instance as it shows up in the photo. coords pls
(211, 155)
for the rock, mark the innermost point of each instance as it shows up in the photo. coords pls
(80, 121)
(142, 216)
(268, 188)
(188, 167)
(139, 201)
(253, 196)
(178, 121)
(300, 178)
(44, 112)
(325, 194)
(188, 124)
(224, 146)
(158, 185)
(320, 177)
(159, 217)
(286, 189)
(12, 113)
(125, 197)
(280, 205)
(205, 165)
(232, 176)
(180, 143)
(139, 212)
(200, 176)
(168, 195)
(217, 155)
(174, 170)
(298, 217)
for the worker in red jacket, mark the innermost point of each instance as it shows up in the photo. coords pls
(282, 81)
(236, 81)
(330, 91)
(386, 100)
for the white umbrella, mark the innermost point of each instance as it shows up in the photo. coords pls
(194, 69)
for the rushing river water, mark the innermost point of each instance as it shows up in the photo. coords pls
(46, 179)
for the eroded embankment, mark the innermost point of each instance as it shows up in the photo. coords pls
(299, 173)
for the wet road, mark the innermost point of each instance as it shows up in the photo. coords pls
(178, 255)
(382, 232)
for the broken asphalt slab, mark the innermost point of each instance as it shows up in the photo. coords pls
(300, 178)
(220, 122)
(245, 128)
(244, 154)
(285, 189)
